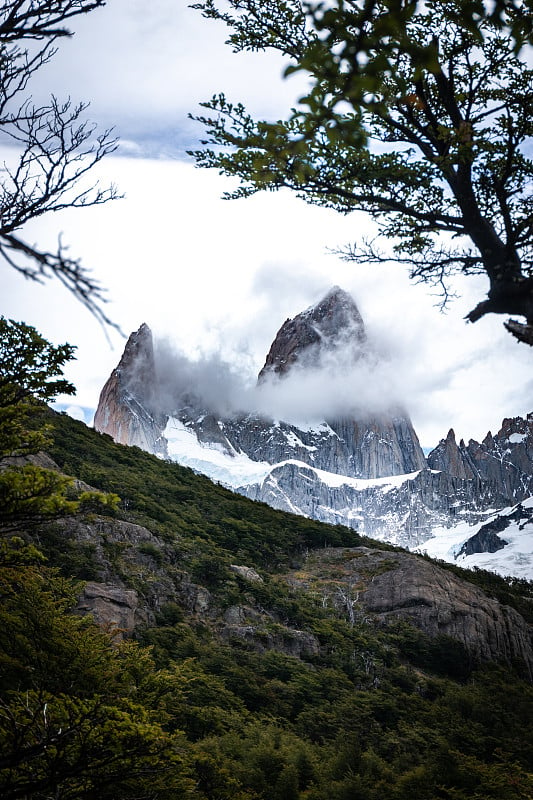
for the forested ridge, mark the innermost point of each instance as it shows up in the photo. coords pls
(312, 704)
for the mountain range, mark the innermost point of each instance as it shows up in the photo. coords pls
(360, 467)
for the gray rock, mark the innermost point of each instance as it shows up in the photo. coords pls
(403, 510)
(486, 540)
(261, 638)
(382, 587)
(333, 324)
(127, 404)
(247, 573)
(115, 609)
(503, 463)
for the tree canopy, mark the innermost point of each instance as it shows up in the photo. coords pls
(79, 718)
(418, 113)
(32, 372)
(53, 147)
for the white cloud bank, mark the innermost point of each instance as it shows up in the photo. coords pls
(338, 387)
(221, 277)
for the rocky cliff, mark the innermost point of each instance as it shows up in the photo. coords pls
(333, 325)
(380, 586)
(503, 461)
(365, 470)
(127, 401)
(362, 582)
(403, 509)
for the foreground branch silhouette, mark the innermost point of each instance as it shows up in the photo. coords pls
(418, 113)
(51, 148)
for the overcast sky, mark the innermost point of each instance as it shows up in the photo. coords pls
(217, 278)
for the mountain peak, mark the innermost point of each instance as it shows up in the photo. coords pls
(137, 367)
(126, 405)
(332, 324)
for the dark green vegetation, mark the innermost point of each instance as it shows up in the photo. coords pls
(31, 372)
(240, 685)
(417, 113)
(182, 504)
(369, 712)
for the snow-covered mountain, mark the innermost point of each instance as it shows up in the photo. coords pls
(361, 468)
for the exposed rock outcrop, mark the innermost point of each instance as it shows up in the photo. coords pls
(382, 587)
(113, 608)
(248, 573)
(138, 575)
(126, 408)
(374, 447)
(333, 325)
(486, 540)
(405, 508)
(437, 602)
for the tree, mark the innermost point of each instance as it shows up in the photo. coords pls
(32, 367)
(32, 373)
(418, 113)
(54, 148)
(81, 716)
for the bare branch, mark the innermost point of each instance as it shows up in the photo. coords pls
(54, 147)
(39, 265)
(37, 19)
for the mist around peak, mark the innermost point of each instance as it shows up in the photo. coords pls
(321, 365)
(339, 385)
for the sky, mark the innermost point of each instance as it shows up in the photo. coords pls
(215, 279)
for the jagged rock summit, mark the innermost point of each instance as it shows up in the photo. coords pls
(333, 324)
(505, 460)
(367, 445)
(126, 408)
(365, 470)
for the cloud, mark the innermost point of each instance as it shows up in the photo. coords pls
(221, 277)
(340, 385)
(164, 61)
(217, 385)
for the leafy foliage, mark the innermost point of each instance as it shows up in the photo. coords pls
(418, 113)
(79, 718)
(32, 370)
(31, 366)
(373, 712)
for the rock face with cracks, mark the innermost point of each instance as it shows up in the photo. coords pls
(365, 470)
(125, 408)
(365, 583)
(383, 587)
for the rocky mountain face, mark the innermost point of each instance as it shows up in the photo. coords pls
(333, 324)
(361, 582)
(127, 401)
(369, 446)
(364, 470)
(504, 460)
(372, 584)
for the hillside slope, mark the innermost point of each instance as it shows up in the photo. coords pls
(315, 663)
(337, 455)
